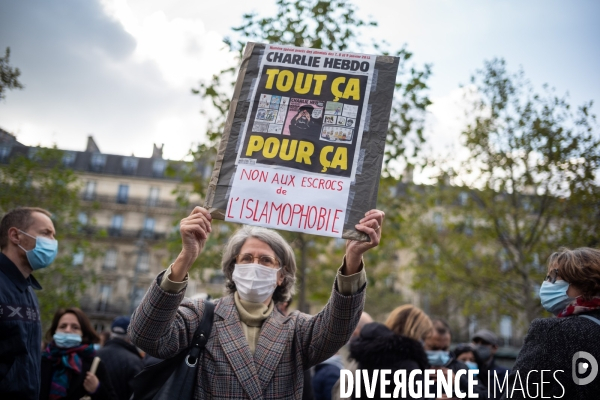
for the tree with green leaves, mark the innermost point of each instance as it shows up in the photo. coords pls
(332, 25)
(8, 75)
(527, 185)
(40, 180)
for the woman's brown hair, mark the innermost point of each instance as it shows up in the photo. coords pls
(88, 334)
(580, 267)
(409, 321)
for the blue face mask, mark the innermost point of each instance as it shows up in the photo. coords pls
(43, 253)
(554, 296)
(471, 365)
(438, 358)
(66, 340)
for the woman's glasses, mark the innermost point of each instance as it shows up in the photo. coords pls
(267, 261)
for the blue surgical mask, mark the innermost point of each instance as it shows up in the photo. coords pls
(554, 296)
(438, 358)
(66, 340)
(471, 365)
(43, 253)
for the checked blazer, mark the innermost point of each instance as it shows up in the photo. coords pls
(164, 324)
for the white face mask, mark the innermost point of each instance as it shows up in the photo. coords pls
(255, 282)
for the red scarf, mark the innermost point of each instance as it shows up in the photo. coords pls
(580, 306)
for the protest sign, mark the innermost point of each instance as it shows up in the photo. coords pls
(304, 139)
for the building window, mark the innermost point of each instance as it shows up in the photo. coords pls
(469, 226)
(129, 165)
(4, 152)
(143, 262)
(110, 259)
(104, 297)
(68, 158)
(158, 168)
(207, 171)
(32, 153)
(438, 220)
(78, 258)
(98, 162)
(506, 328)
(116, 225)
(153, 196)
(148, 230)
(435, 252)
(89, 192)
(504, 260)
(123, 194)
(138, 296)
(217, 277)
(82, 218)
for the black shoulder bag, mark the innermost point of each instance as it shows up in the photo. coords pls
(175, 378)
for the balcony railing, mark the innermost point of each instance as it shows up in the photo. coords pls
(136, 233)
(134, 201)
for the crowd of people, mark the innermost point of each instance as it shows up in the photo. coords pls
(259, 349)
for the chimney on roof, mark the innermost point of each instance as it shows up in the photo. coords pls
(157, 151)
(92, 147)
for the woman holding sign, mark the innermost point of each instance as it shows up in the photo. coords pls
(253, 351)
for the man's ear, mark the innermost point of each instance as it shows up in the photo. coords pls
(13, 235)
(280, 277)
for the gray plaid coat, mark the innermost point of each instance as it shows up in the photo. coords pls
(164, 324)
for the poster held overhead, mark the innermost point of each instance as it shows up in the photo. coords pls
(303, 142)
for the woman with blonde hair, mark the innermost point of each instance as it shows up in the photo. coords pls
(409, 321)
(397, 345)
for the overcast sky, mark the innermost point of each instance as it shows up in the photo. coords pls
(122, 70)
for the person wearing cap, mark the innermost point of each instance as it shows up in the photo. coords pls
(123, 360)
(486, 346)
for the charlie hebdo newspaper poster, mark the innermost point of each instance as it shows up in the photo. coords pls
(303, 142)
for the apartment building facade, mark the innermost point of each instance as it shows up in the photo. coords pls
(128, 210)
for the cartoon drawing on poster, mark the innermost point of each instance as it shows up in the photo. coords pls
(350, 111)
(336, 134)
(265, 100)
(329, 119)
(282, 110)
(303, 117)
(275, 128)
(334, 108)
(260, 127)
(293, 153)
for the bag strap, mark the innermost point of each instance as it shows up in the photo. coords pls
(596, 320)
(201, 335)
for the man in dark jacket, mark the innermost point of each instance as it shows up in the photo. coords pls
(123, 360)
(326, 375)
(27, 243)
